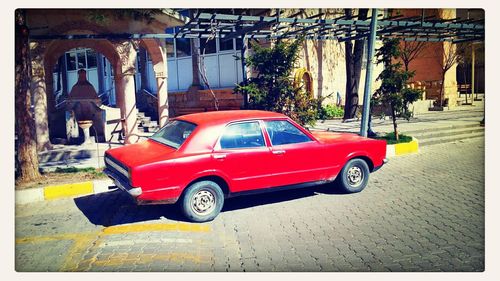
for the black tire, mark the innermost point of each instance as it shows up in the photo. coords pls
(202, 201)
(354, 176)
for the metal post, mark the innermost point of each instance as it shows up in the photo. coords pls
(368, 77)
(473, 68)
(244, 52)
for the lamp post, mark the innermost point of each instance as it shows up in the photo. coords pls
(368, 80)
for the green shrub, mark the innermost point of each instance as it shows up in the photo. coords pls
(272, 88)
(391, 138)
(330, 111)
(88, 170)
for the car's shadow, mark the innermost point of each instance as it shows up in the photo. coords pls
(116, 208)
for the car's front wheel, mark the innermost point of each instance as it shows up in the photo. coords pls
(202, 201)
(354, 176)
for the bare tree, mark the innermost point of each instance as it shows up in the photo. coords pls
(410, 50)
(353, 63)
(27, 158)
(452, 54)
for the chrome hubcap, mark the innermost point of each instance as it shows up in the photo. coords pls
(354, 176)
(203, 202)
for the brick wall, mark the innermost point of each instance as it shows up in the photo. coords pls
(181, 103)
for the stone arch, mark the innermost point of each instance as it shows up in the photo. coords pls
(57, 48)
(304, 78)
(53, 51)
(156, 51)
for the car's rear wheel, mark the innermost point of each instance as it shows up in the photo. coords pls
(202, 201)
(354, 176)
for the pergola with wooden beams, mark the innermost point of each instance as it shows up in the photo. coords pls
(209, 25)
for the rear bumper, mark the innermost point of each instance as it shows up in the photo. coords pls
(123, 185)
(383, 163)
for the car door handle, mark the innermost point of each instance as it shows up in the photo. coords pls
(278, 152)
(219, 156)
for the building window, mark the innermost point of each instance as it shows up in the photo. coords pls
(179, 47)
(70, 61)
(91, 58)
(183, 47)
(239, 43)
(209, 47)
(226, 45)
(170, 48)
(81, 60)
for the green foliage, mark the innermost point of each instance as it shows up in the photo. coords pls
(391, 138)
(105, 16)
(88, 170)
(394, 90)
(330, 111)
(272, 88)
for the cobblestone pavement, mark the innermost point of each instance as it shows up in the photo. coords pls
(421, 212)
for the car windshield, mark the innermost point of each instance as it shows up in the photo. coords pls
(174, 133)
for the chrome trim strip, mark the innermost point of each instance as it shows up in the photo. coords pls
(116, 166)
(133, 191)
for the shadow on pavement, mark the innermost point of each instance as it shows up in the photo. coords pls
(116, 208)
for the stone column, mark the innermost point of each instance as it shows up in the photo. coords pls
(161, 81)
(125, 89)
(39, 91)
(128, 107)
(162, 84)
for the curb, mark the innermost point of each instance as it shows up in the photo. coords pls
(52, 192)
(402, 148)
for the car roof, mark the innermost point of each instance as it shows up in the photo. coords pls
(226, 116)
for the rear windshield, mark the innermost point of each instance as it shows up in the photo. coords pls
(174, 133)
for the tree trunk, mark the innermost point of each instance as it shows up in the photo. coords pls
(354, 61)
(394, 124)
(27, 158)
(349, 67)
(407, 65)
(441, 90)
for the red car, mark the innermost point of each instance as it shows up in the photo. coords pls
(201, 159)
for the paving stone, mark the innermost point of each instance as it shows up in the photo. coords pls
(422, 212)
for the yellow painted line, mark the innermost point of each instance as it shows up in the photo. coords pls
(121, 229)
(125, 259)
(57, 237)
(68, 190)
(84, 241)
(406, 148)
(73, 262)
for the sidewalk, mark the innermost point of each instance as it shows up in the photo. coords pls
(432, 120)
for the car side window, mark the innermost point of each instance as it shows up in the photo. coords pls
(242, 135)
(283, 132)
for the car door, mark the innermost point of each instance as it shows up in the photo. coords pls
(243, 156)
(297, 157)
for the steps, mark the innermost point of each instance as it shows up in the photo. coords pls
(146, 124)
(446, 134)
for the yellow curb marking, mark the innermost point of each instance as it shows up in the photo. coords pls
(405, 148)
(155, 227)
(117, 260)
(57, 237)
(68, 190)
(83, 241)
